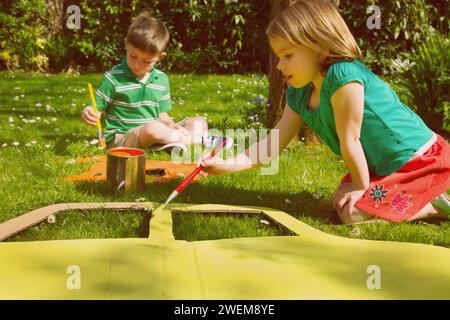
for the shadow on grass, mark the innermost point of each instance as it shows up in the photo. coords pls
(61, 145)
(302, 203)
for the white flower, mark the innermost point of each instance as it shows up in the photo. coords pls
(21, 116)
(402, 66)
(287, 201)
(15, 143)
(28, 145)
(316, 196)
(140, 199)
(10, 119)
(94, 141)
(51, 219)
(4, 145)
(259, 197)
(47, 146)
(67, 140)
(265, 222)
(71, 161)
(46, 121)
(33, 142)
(356, 232)
(54, 119)
(38, 118)
(32, 121)
(38, 104)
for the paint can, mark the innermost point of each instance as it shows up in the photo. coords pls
(125, 170)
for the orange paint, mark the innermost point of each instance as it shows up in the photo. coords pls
(160, 171)
(126, 152)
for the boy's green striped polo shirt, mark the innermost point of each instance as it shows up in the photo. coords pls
(126, 102)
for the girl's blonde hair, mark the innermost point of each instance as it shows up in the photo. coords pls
(318, 25)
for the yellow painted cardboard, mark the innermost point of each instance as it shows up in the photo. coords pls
(310, 265)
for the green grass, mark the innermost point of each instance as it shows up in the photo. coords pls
(32, 176)
(199, 226)
(90, 224)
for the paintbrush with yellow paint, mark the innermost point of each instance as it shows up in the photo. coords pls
(101, 139)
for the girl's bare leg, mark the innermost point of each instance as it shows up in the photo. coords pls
(359, 216)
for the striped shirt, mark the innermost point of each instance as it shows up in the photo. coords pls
(126, 102)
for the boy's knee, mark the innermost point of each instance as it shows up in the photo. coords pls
(152, 130)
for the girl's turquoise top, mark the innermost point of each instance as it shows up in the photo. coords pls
(391, 132)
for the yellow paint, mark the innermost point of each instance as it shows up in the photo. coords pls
(311, 265)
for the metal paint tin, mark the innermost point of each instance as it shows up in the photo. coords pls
(125, 170)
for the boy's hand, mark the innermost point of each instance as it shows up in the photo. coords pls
(89, 116)
(176, 126)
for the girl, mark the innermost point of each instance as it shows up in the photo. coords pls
(399, 170)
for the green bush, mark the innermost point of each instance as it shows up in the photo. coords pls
(22, 35)
(206, 35)
(220, 36)
(425, 79)
(404, 24)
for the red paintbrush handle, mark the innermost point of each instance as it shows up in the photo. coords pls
(197, 170)
(188, 179)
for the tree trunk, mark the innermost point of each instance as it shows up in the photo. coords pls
(55, 20)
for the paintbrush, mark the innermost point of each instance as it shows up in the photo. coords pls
(101, 139)
(193, 174)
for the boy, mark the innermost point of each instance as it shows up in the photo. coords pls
(135, 96)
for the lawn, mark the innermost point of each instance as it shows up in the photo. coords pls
(41, 129)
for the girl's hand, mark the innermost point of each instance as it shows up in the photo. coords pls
(345, 197)
(218, 166)
(89, 116)
(215, 167)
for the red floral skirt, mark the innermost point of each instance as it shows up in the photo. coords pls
(400, 195)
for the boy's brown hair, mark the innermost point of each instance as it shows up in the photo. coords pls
(148, 34)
